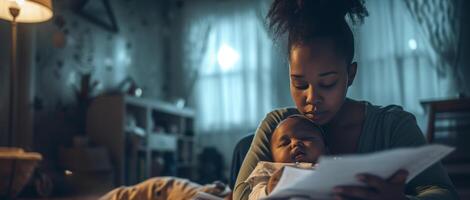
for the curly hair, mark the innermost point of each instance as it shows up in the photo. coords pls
(305, 20)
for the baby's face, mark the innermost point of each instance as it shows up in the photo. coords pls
(297, 140)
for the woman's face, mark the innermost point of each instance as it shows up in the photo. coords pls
(319, 79)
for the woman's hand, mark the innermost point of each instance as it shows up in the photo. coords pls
(274, 179)
(378, 188)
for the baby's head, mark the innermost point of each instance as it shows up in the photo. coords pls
(297, 139)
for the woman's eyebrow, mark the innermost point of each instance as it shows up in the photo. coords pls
(328, 73)
(321, 75)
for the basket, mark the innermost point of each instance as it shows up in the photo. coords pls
(16, 168)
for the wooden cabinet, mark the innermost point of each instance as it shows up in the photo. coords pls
(144, 137)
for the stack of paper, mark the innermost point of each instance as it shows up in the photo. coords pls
(336, 171)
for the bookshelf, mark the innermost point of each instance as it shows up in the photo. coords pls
(144, 137)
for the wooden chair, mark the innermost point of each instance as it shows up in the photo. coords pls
(449, 123)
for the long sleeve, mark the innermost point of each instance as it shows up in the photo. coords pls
(433, 183)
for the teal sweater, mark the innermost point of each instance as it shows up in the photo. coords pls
(383, 128)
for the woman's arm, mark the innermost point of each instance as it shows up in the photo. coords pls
(434, 182)
(401, 130)
(259, 150)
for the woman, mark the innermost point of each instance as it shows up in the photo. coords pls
(320, 52)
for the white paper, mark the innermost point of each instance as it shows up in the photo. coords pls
(336, 171)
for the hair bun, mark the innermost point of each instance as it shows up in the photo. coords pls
(287, 15)
(355, 9)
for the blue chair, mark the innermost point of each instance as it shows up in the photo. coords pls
(239, 154)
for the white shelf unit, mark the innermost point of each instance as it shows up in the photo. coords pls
(169, 132)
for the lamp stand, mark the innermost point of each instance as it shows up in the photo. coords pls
(12, 107)
(13, 76)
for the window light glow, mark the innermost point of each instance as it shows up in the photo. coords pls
(138, 92)
(227, 57)
(412, 44)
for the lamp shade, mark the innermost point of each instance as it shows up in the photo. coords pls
(31, 11)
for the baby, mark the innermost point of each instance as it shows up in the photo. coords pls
(296, 141)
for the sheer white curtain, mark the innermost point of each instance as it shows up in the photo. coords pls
(441, 24)
(233, 87)
(395, 64)
(236, 74)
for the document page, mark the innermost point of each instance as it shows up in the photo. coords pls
(342, 170)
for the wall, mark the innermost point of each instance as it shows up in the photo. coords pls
(69, 46)
(136, 51)
(4, 64)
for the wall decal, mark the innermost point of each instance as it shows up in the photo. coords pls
(98, 12)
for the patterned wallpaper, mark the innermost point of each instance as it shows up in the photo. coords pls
(69, 46)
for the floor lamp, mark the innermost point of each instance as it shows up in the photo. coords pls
(20, 11)
(17, 166)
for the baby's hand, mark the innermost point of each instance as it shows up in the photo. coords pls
(217, 188)
(274, 180)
